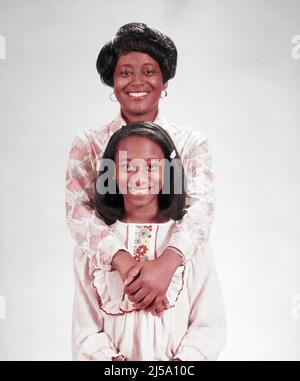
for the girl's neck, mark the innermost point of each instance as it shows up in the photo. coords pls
(140, 216)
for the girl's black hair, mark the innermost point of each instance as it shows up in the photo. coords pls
(142, 38)
(110, 206)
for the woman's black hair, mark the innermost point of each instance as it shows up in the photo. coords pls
(110, 206)
(142, 38)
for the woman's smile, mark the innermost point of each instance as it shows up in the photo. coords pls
(137, 96)
(138, 83)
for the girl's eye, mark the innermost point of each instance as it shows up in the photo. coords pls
(130, 168)
(153, 167)
(127, 167)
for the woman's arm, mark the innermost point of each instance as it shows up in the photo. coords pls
(206, 334)
(89, 341)
(89, 232)
(194, 228)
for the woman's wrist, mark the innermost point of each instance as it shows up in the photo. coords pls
(120, 258)
(171, 258)
(123, 261)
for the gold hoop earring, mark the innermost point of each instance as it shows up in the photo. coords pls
(165, 94)
(112, 97)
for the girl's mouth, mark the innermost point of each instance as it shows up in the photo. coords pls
(137, 191)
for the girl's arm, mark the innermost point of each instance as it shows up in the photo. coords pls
(89, 232)
(89, 341)
(206, 334)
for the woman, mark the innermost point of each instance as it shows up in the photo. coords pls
(137, 63)
(145, 197)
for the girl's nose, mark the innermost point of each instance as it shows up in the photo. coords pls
(140, 179)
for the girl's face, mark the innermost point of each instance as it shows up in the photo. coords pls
(139, 174)
(138, 83)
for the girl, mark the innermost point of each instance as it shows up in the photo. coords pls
(138, 63)
(143, 213)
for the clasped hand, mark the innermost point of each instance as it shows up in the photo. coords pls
(146, 283)
(146, 286)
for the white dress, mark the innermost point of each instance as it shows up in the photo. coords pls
(105, 324)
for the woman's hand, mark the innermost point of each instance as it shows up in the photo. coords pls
(148, 282)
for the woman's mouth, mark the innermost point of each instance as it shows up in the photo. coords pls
(138, 95)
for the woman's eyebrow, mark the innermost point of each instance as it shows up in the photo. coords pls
(132, 66)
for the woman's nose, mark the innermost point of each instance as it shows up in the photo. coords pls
(137, 78)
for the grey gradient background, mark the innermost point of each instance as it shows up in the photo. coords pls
(236, 82)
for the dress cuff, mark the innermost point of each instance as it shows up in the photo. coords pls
(175, 286)
(107, 249)
(182, 241)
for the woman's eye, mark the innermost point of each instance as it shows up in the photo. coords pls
(149, 71)
(125, 73)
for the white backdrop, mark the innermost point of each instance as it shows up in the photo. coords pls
(238, 81)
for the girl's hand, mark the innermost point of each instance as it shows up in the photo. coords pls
(151, 281)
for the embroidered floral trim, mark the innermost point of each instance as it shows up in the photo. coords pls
(142, 242)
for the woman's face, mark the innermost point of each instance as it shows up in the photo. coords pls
(139, 174)
(138, 83)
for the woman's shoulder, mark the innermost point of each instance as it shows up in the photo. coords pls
(94, 139)
(192, 132)
(187, 139)
(97, 134)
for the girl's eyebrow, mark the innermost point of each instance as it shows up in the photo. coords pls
(147, 160)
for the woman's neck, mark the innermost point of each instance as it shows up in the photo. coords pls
(149, 117)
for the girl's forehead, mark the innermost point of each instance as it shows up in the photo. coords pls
(139, 147)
